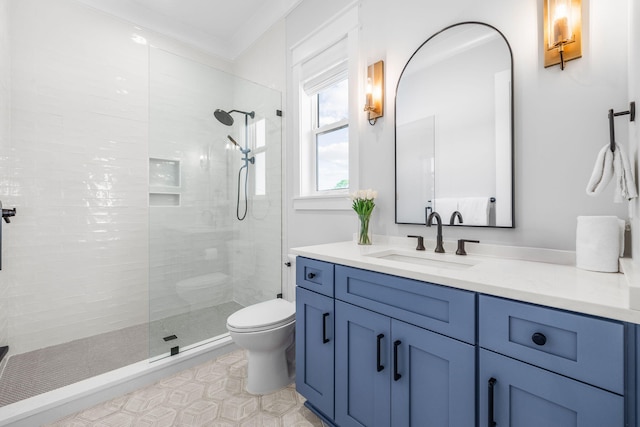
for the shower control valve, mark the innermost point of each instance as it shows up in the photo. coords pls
(7, 213)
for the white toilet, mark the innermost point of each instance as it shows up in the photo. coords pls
(266, 331)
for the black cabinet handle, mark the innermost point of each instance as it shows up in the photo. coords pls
(539, 338)
(396, 375)
(491, 422)
(379, 339)
(324, 328)
(311, 275)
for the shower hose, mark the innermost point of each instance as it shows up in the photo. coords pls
(246, 203)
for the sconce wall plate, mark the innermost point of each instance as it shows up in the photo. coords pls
(374, 103)
(569, 48)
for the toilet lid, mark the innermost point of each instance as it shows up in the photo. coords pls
(263, 315)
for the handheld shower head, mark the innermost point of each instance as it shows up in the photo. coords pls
(234, 141)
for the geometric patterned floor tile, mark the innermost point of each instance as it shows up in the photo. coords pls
(212, 394)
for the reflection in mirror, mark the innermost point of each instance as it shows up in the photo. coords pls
(454, 133)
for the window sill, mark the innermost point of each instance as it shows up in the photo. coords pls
(341, 202)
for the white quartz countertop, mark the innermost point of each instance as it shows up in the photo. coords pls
(555, 285)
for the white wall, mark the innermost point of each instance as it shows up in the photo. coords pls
(5, 141)
(265, 61)
(560, 116)
(634, 128)
(76, 254)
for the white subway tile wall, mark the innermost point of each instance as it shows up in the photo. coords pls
(5, 144)
(85, 101)
(76, 253)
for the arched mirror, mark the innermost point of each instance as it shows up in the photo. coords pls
(454, 129)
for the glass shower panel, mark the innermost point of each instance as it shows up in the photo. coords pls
(204, 262)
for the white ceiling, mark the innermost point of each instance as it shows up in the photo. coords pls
(222, 27)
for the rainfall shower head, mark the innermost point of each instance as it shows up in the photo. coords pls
(225, 118)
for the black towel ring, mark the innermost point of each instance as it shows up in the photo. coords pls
(632, 118)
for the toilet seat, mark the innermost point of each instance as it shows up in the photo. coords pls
(262, 316)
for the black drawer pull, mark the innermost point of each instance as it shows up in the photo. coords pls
(396, 375)
(311, 275)
(324, 328)
(491, 422)
(539, 338)
(379, 339)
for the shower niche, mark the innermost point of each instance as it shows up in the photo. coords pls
(164, 182)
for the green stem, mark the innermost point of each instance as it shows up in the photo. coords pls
(363, 237)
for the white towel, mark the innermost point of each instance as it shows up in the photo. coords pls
(610, 164)
(475, 210)
(598, 243)
(445, 206)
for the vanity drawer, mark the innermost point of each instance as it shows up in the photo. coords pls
(582, 347)
(315, 275)
(438, 308)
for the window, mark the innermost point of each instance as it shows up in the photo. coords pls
(324, 72)
(331, 137)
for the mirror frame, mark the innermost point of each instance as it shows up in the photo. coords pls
(395, 110)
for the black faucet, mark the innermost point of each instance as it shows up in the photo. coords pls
(461, 242)
(439, 249)
(455, 214)
(420, 246)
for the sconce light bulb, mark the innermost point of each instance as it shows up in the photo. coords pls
(368, 95)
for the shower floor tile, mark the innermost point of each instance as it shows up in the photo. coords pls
(190, 327)
(211, 394)
(29, 374)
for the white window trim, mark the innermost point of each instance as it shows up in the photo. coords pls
(344, 26)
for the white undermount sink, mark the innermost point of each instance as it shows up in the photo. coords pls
(429, 259)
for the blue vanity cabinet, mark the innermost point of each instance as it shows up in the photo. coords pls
(390, 372)
(315, 275)
(540, 366)
(437, 379)
(315, 346)
(363, 367)
(315, 341)
(377, 350)
(513, 393)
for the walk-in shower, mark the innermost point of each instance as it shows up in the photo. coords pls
(126, 249)
(225, 118)
(204, 263)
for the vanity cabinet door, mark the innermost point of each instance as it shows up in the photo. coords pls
(435, 385)
(315, 349)
(513, 393)
(363, 367)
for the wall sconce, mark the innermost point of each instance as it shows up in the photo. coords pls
(562, 31)
(374, 103)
